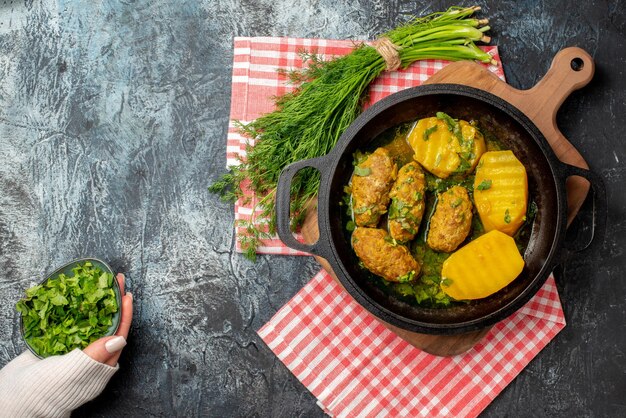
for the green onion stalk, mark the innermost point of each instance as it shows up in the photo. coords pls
(330, 95)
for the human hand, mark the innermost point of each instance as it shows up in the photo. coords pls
(107, 350)
(56, 385)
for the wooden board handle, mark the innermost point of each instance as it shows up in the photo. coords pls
(571, 69)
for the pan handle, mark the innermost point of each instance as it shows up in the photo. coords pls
(283, 205)
(598, 227)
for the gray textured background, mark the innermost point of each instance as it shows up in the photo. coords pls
(113, 118)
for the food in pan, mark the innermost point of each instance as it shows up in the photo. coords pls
(444, 146)
(384, 257)
(482, 267)
(407, 202)
(373, 177)
(501, 191)
(452, 220)
(452, 227)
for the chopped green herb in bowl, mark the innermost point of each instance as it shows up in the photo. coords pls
(74, 306)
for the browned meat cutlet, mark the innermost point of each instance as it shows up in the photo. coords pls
(382, 256)
(451, 221)
(407, 202)
(371, 183)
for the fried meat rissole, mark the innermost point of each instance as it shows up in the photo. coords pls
(407, 202)
(451, 221)
(382, 256)
(371, 183)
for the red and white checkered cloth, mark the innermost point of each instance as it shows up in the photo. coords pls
(355, 366)
(256, 81)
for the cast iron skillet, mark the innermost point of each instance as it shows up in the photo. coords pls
(546, 178)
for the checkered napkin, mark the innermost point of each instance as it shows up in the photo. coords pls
(355, 366)
(256, 81)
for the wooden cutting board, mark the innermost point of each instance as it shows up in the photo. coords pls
(571, 69)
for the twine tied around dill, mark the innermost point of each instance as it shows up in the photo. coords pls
(389, 51)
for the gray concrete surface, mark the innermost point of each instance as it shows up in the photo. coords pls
(113, 118)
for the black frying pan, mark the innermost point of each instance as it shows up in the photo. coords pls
(546, 178)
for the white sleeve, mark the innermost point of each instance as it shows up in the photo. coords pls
(52, 387)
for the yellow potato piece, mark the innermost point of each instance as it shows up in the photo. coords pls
(482, 267)
(474, 145)
(438, 150)
(501, 191)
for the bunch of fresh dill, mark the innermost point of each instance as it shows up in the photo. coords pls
(308, 121)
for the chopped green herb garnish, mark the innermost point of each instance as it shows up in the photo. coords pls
(346, 200)
(407, 277)
(448, 120)
(507, 217)
(359, 158)
(68, 312)
(464, 165)
(440, 296)
(405, 289)
(389, 240)
(484, 185)
(350, 226)
(363, 209)
(429, 131)
(362, 171)
(393, 210)
(453, 125)
(438, 160)
(456, 203)
(446, 282)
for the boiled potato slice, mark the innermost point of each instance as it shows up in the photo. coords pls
(438, 149)
(501, 191)
(482, 267)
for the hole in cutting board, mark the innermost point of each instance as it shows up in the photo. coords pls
(577, 64)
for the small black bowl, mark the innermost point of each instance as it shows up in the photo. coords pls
(67, 270)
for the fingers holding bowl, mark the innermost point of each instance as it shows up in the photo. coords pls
(121, 280)
(126, 308)
(107, 350)
(127, 315)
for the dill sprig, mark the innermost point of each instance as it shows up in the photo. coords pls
(308, 121)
